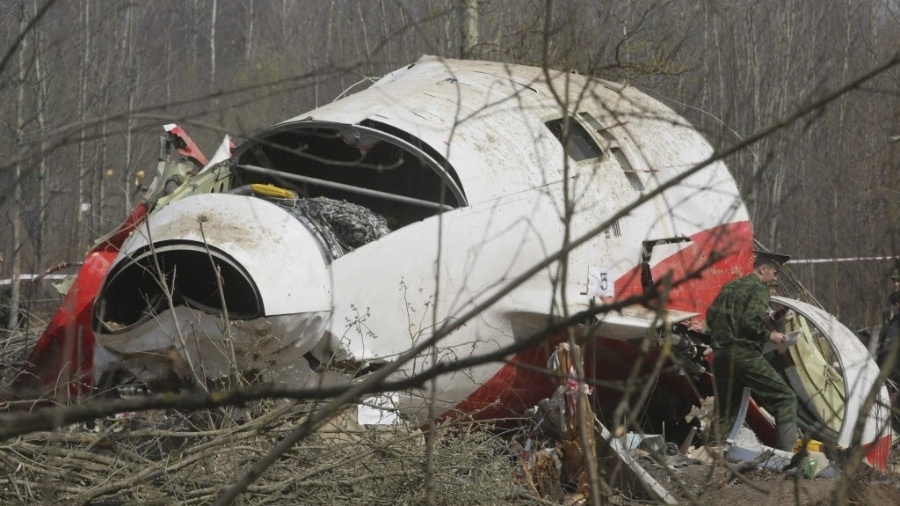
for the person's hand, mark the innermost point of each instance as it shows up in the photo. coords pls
(776, 337)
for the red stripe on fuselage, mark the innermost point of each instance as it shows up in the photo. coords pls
(878, 453)
(515, 388)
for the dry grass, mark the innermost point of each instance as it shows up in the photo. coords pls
(189, 458)
(162, 458)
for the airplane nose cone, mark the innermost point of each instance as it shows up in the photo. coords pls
(209, 252)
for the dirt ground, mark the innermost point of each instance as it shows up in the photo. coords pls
(715, 484)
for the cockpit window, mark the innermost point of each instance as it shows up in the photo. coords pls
(579, 145)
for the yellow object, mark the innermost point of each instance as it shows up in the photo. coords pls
(270, 190)
(811, 445)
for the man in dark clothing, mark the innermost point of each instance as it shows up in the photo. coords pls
(737, 322)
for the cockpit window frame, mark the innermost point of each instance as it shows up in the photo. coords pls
(582, 146)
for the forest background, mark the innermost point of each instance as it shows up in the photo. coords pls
(87, 85)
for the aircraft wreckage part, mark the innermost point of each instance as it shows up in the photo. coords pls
(274, 263)
(833, 375)
(346, 188)
(722, 253)
(653, 487)
(186, 145)
(222, 153)
(520, 383)
(181, 346)
(208, 250)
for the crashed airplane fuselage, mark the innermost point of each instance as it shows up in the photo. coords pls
(331, 243)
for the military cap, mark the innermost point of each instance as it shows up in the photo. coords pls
(767, 257)
(895, 274)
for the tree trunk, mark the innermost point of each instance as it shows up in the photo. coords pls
(249, 54)
(212, 44)
(469, 24)
(130, 91)
(39, 231)
(365, 31)
(81, 170)
(16, 207)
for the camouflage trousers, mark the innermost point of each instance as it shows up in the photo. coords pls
(735, 369)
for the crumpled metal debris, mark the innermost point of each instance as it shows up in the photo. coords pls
(341, 225)
(548, 471)
(352, 225)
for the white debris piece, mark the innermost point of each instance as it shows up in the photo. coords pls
(381, 410)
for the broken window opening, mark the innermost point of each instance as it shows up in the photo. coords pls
(431, 152)
(398, 178)
(630, 174)
(595, 124)
(615, 150)
(579, 145)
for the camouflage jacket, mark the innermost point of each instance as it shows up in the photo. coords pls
(736, 317)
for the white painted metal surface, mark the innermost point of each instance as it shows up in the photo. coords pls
(223, 152)
(278, 252)
(859, 372)
(273, 346)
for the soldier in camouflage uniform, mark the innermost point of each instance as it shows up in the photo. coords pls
(736, 319)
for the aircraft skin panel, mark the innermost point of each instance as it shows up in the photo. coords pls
(858, 370)
(487, 120)
(509, 154)
(481, 248)
(731, 244)
(490, 264)
(257, 235)
(492, 158)
(514, 387)
(192, 343)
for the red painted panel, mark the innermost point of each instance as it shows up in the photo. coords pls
(515, 388)
(62, 361)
